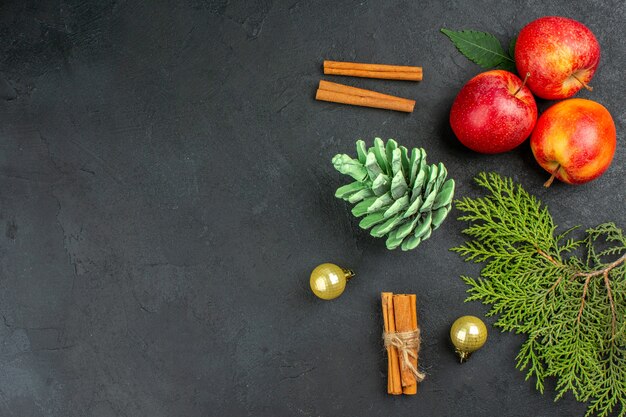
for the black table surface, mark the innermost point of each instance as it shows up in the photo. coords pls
(166, 188)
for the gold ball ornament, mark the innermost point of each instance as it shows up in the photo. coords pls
(468, 334)
(329, 280)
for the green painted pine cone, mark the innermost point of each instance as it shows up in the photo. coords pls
(398, 195)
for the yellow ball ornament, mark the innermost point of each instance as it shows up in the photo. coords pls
(468, 334)
(329, 280)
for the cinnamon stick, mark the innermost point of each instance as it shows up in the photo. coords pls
(412, 388)
(346, 89)
(381, 75)
(394, 384)
(404, 323)
(384, 300)
(338, 93)
(381, 71)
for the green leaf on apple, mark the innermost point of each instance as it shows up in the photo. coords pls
(481, 48)
(507, 66)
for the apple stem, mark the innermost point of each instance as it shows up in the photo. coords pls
(523, 84)
(551, 180)
(588, 87)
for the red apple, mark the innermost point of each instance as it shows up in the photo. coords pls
(560, 54)
(494, 112)
(574, 140)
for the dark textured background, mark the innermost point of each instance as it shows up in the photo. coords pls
(166, 188)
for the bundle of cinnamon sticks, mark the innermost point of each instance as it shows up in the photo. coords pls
(402, 343)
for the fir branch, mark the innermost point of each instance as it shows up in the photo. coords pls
(571, 307)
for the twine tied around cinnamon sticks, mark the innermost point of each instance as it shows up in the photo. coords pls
(408, 345)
